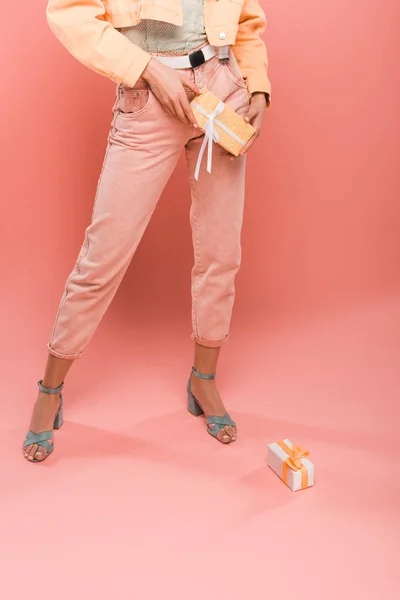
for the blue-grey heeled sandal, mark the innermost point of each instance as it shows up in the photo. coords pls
(195, 409)
(42, 439)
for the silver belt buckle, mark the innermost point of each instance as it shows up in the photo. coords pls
(223, 53)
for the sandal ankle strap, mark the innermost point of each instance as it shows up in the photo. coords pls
(202, 375)
(46, 390)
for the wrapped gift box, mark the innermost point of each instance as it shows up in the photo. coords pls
(220, 124)
(291, 464)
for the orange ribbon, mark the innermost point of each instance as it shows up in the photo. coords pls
(293, 462)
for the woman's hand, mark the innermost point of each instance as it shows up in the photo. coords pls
(254, 116)
(169, 86)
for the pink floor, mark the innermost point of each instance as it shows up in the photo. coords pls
(138, 502)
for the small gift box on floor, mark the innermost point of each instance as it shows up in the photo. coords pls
(221, 125)
(291, 464)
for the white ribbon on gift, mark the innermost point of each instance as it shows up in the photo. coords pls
(211, 135)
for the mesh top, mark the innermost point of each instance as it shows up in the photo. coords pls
(163, 38)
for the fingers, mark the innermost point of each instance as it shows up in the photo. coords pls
(180, 112)
(182, 109)
(179, 106)
(189, 84)
(173, 108)
(168, 109)
(246, 147)
(249, 144)
(249, 117)
(255, 118)
(188, 110)
(170, 88)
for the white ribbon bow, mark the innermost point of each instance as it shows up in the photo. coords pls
(211, 135)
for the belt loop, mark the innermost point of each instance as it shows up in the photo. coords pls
(223, 53)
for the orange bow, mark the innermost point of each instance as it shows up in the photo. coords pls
(293, 462)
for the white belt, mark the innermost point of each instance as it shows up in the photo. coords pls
(185, 62)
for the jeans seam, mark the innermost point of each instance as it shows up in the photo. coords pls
(240, 84)
(197, 256)
(85, 251)
(213, 69)
(198, 264)
(118, 282)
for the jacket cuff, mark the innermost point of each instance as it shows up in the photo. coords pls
(259, 83)
(136, 68)
(267, 97)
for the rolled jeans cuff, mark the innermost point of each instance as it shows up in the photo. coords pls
(65, 356)
(208, 343)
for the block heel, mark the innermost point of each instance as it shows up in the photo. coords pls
(58, 421)
(193, 406)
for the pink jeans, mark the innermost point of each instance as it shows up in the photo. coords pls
(144, 145)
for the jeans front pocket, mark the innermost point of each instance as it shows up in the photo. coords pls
(132, 102)
(233, 71)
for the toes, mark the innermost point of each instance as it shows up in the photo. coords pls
(41, 453)
(32, 451)
(227, 434)
(35, 452)
(231, 430)
(27, 450)
(223, 436)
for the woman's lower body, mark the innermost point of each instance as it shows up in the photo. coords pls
(144, 145)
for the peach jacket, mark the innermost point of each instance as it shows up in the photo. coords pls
(87, 28)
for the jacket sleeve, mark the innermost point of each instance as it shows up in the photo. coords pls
(250, 50)
(80, 26)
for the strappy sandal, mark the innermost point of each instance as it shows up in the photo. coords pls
(42, 439)
(195, 409)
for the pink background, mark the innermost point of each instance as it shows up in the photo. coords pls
(313, 354)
